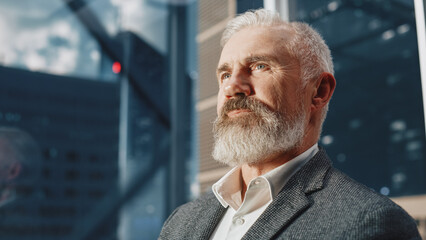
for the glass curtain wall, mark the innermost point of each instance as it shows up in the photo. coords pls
(375, 127)
(86, 118)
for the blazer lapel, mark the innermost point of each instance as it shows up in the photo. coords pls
(292, 200)
(206, 219)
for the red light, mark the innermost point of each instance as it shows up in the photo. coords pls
(116, 67)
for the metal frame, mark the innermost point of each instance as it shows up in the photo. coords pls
(180, 91)
(419, 8)
(173, 151)
(114, 50)
(281, 6)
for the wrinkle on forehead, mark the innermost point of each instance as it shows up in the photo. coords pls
(279, 35)
(285, 27)
(276, 37)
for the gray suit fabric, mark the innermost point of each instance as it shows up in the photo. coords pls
(318, 202)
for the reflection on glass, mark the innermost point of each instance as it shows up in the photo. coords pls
(45, 36)
(20, 167)
(48, 52)
(376, 117)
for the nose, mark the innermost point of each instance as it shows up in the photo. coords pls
(237, 84)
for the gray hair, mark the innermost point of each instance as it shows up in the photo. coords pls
(307, 46)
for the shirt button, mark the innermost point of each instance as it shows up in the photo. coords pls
(257, 181)
(240, 221)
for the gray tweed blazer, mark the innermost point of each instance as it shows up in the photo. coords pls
(318, 202)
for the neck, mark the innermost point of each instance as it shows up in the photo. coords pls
(251, 171)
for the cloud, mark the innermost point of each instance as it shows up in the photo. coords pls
(7, 54)
(147, 20)
(33, 42)
(66, 59)
(34, 61)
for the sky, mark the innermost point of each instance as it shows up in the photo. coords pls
(43, 35)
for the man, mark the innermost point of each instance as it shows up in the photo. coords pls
(19, 164)
(276, 80)
(19, 195)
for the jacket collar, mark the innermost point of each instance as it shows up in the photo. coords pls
(206, 218)
(292, 200)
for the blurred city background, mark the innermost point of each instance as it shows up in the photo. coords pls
(112, 102)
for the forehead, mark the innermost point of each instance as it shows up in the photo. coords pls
(257, 40)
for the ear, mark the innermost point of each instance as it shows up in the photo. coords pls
(14, 170)
(323, 91)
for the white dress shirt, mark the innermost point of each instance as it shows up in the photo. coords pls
(240, 215)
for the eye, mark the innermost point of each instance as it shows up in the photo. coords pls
(225, 76)
(260, 67)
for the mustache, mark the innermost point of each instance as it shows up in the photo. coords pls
(243, 102)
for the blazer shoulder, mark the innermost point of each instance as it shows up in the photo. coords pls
(206, 199)
(352, 191)
(375, 214)
(188, 209)
(196, 218)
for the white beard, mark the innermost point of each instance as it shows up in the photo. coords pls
(253, 137)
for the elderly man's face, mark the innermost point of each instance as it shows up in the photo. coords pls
(261, 106)
(255, 63)
(8, 162)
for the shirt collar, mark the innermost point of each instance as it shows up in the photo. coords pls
(228, 189)
(279, 176)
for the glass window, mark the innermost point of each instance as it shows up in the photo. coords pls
(375, 127)
(46, 36)
(85, 122)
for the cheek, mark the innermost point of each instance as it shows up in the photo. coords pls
(270, 98)
(278, 96)
(220, 102)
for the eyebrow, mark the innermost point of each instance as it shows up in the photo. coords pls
(252, 59)
(260, 58)
(223, 68)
